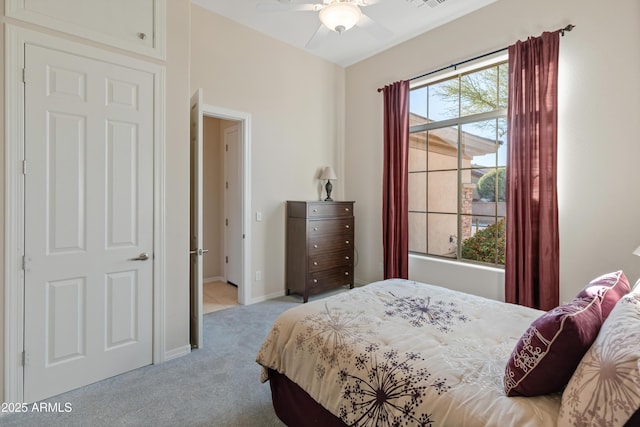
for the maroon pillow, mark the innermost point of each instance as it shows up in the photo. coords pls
(550, 350)
(609, 288)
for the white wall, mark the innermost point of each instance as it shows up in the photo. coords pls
(296, 103)
(599, 106)
(177, 176)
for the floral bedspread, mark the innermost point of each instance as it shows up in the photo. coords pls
(402, 353)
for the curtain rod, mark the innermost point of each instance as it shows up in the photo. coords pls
(454, 66)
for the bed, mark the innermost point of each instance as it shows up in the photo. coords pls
(400, 353)
(434, 356)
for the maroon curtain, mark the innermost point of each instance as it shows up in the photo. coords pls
(395, 215)
(532, 253)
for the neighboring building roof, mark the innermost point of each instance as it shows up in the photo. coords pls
(445, 140)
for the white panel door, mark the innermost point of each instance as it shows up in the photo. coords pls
(195, 272)
(232, 204)
(88, 221)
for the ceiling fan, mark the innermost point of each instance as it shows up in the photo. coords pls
(335, 15)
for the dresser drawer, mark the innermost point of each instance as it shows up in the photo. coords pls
(323, 227)
(331, 243)
(329, 279)
(334, 209)
(330, 260)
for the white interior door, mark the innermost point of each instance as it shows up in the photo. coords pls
(232, 205)
(196, 220)
(88, 221)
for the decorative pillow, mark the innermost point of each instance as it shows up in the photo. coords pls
(609, 288)
(549, 351)
(605, 388)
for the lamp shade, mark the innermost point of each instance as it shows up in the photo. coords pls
(328, 173)
(340, 16)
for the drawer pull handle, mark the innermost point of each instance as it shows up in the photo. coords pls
(315, 263)
(315, 228)
(315, 210)
(346, 273)
(347, 258)
(315, 280)
(315, 246)
(346, 209)
(347, 242)
(346, 226)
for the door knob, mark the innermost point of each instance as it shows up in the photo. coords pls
(199, 252)
(142, 257)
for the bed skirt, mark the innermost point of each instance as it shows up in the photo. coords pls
(295, 407)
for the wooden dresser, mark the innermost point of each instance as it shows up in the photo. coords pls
(320, 246)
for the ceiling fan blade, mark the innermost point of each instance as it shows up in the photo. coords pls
(317, 37)
(367, 2)
(283, 7)
(378, 31)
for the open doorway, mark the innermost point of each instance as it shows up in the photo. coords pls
(221, 195)
(220, 216)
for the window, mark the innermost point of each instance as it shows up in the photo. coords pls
(457, 166)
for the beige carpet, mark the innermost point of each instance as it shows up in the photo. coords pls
(218, 296)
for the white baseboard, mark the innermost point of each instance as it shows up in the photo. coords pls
(267, 297)
(177, 352)
(213, 279)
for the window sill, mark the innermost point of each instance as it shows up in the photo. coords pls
(457, 263)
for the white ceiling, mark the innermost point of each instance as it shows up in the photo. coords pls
(404, 19)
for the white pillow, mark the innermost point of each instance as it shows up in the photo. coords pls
(605, 388)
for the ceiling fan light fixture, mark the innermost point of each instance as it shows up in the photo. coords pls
(340, 16)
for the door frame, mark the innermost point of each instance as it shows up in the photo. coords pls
(244, 123)
(16, 39)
